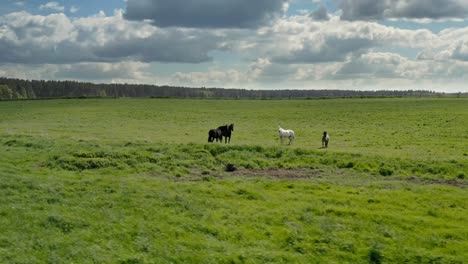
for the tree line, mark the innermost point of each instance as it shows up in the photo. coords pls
(15, 89)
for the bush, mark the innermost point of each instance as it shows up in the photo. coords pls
(375, 257)
(346, 165)
(385, 171)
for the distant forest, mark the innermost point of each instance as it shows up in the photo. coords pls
(16, 89)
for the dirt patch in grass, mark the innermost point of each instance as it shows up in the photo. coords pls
(296, 174)
(290, 174)
(451, 182)
(308, 173)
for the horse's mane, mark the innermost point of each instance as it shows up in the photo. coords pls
(227, 128)
(226, 131)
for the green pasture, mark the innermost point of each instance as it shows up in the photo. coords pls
(406, 128)
(135, 181)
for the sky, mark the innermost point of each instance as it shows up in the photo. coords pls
(249, 44)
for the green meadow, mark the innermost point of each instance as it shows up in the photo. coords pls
(135, 181)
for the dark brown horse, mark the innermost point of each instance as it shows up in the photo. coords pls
(215, 134)
(226, 132)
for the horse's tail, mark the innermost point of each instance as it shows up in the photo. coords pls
(293, 135)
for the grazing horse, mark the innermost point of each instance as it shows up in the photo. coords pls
(285, 133)
(325, 139)
(215, 134)
(226, 132)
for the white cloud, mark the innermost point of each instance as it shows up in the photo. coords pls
(211, 78)
(260, 73)
(126, 71)
(372, 65)
(452, 44)
(103, 71)
(299, 39)
(74, 9)
(56, 38)
(20, 3)
(320, 13)
(55, 6)
(409, 9)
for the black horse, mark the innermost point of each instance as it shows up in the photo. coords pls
(215, 134)
(226, 132)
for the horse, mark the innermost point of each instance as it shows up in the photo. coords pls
(325, 139)
(226, 132)
(215, 134)
(285, 133)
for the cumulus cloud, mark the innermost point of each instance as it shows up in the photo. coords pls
(372, 65)
(261, 73)
(26, 71)
(210, 78)
(320, 13)
(299, 39)
(384, 66)
(55, 6)
(383, 70)
(411, 9)
(175, 45)
(126, 71)
(57, 39)
(206, 13)
(102, 71)
(372, 70)
(458, 50)
(451, 44)
(33, 39)
(265, 71)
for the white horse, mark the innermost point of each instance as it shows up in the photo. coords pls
(286, 134)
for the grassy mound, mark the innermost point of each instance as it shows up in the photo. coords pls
(184, 159)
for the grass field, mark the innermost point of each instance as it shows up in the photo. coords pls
(135, 181)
